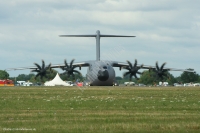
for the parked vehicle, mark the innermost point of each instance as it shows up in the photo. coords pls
(129, 83)
(70, 83)
(163, 84)
(196, 84)
(177, 84)
(141, 85)
(24, 83)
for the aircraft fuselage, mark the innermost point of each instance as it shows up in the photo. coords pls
(100, 73)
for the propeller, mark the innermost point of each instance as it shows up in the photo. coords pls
(132, 70)
(41, 70)
(160, 73)
(70, 69)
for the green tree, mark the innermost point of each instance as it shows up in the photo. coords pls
(125, 79)
(148, 78)
(24, 77)
(178, 79)
(4, 74)
(171, 79)
(187, 77)
(119, 80)
(70, 78)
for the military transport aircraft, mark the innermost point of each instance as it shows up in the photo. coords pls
(100, 72)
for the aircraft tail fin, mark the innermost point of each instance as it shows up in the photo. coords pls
(97, 36)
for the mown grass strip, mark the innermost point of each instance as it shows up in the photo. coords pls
(100, 109)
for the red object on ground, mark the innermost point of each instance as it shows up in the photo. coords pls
(6, 82)
(79, 84)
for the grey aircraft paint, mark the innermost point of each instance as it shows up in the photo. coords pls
(99, 72)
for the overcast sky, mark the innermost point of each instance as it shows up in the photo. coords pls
(165, 30)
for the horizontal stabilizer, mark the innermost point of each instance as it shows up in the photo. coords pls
(77, 35)
(115, 36)
(97, 36)
(94, 36)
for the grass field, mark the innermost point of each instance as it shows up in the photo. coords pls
(99, 109)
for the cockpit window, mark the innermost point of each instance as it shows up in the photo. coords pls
(105, 67)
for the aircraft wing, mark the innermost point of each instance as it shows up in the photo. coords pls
(169, 69)
(78, 64)
(122, 64)
(21, 68)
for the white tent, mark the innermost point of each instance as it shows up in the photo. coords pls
(57, 81)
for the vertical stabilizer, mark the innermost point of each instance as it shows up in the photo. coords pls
(97, 36)
(98, 45)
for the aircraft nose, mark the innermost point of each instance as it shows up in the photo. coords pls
(103, 75)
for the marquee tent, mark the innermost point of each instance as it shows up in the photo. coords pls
(57, 81)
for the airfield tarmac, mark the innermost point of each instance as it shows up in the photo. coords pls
(99, 109)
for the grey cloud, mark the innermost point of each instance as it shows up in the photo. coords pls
(166, 31)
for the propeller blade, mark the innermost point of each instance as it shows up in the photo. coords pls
(35, 70)
(160, 72)
(41, 71)
(46, 68)
(38, 66)
(65, 61)
(69, 69)
(130, 65)
(132, 69)
(126, 73)
(43, 64)
(163, 66)
(77, 72)
(135, 64)
(136, 76)
(139, 72)
(72, 61)
(157, 67)
(130, 77)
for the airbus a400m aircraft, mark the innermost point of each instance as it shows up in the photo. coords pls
(100, 72)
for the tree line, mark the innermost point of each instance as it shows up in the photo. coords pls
(146, 78)
(31, 77)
